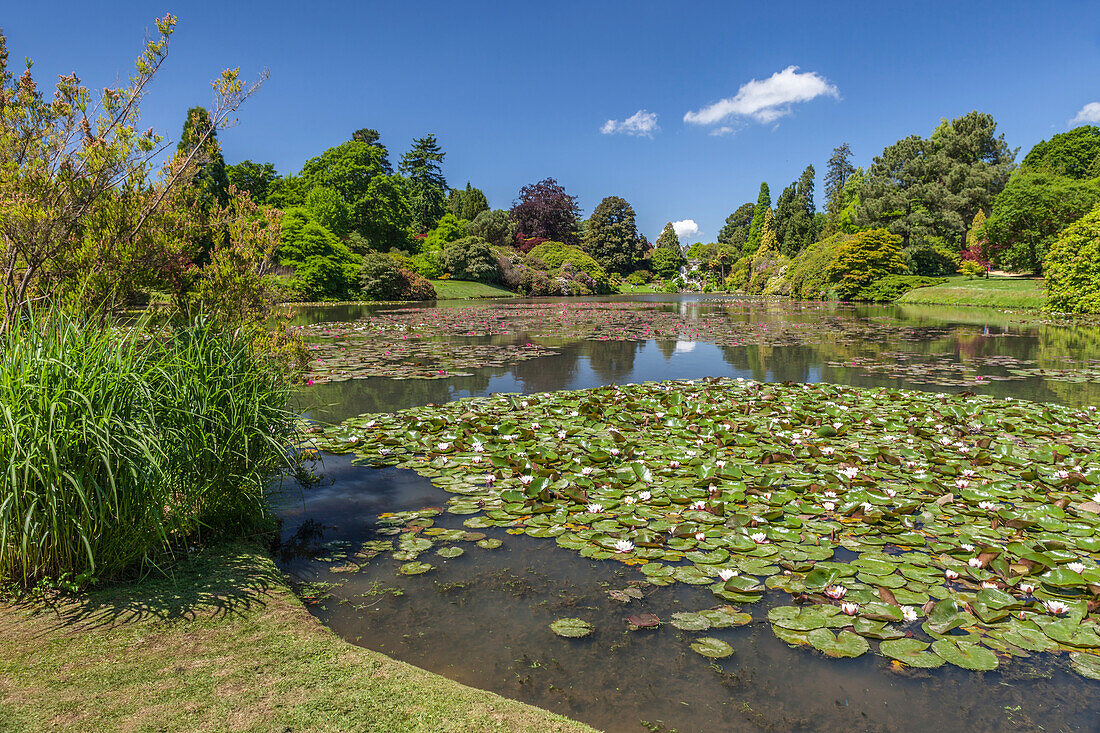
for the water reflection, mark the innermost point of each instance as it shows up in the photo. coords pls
(481, 618)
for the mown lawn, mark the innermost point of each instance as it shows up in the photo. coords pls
(996, 292)
(462, 289)
(223, 645)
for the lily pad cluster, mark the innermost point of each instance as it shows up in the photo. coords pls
(946, 370)
(928, 528)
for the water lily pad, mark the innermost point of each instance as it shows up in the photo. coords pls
(489, 543)
(726, 616)
(912, 652)
(962, 654)
(572, 628)
(1086, 664)
(844, 644)
(414, 568)
(449, 552)
(689, 621)
(712, 648)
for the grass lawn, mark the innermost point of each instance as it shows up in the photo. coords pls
(996, 292)
(624, 289)
(462, 289)
(224, 645)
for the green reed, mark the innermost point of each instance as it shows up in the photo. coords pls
(117, 446)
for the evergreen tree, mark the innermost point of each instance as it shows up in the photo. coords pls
(211, 180)
(467, 204)
(374, 139)
(763, 206)
(736, 230)
(612, 236)
(427, 186)
(668, 239)
(795, 227)
(837, 171)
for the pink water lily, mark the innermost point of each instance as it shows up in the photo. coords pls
(850, 608)
(836, 592)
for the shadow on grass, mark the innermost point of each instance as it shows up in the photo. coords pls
(216, 583)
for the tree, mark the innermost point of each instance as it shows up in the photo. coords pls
(837, 172)
(794, 215)
(495, 227)
(324, 268)
(329, 209)
(467, 204)
(374, 139)
(1073, 267)
(666, 262)
(892, 194)
(254, 178)
(863, 258)
(763, 206)
(544, 210)
(470, 258)
(349, 168)
(427, 186)
(1028, 215)
(67, 160)
(736, 229)
(383, 215)
(668, 239)
(200, 139)
(1074, 154)
(612, 237)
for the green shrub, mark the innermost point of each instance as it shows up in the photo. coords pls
(1072, 267)
(553, 254)
(972, 269)
(930, 259)
(891, 287)
(470, 258)
(584, 273)
(382, 278)
(806, 276)
(324, 267)
(862, 258)
(117, 447)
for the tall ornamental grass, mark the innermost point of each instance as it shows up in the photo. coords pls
(117, 446)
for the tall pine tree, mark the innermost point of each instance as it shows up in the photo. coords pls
(668, 239)
(427, 186)
(837, 171)
(762, 208)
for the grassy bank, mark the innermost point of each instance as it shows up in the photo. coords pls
(461, 289)
(224, 645)
(994, 292)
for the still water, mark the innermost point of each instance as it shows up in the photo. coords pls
(482, 618)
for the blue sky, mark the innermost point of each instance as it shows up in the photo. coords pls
(519, 91)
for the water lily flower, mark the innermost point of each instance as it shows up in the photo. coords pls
(828, 450)
(353, 439)
(614, 451)
(1062, 474)
(478, 447)
(962, 483)
(672, 529)
(444, 446)
(698, 505)
(908, 613)
(1077, 567)
(1096, 497)
(561, 435)
(950, 574)
(829, 494)
(476, 459)
(712, 489)
(526, 479)
(945, 441)
(967, 546)
(586, 470)
(629, 500)
(850, 608)
(624, 546)
(968, 472)
(828, 506)
(490, 478)
(1056, 608)
(850, 472)
(720, 464)
(727, 573)
(758, 537)
(1027, 588)
(974, 562)
(867, 507)
(988, 585)
(890, 493)
(644, 495)
(838, 425)
(836, 592)
(673, 464)
(700, 536)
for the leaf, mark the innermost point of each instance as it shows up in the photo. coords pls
(911, 652)
(712, 648)
(644, 620)
(844, 644)
(1086, 664)
(414, 568)
(572, 628)
(449, 552)
(688, 621)
(965, 655)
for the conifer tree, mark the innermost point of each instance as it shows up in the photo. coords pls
(763, 206)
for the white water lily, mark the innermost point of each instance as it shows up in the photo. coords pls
(962, 483)
(828, 506)
(476, 459)
(850, 472)
(968, 472)
(950, 574)
(1062, 474)
(867, 507)
(624, 546)
(850, 608)
(758, 537)
(909, 613)
(1077, 567)
(988, 585)
(614, 451)
(478, 447)
(594, 508)
(354, 439)
(828, 450)
(673, 464)
(720, 464)
(561, 435)
(945, 441)
(836, 592)
(384, 451)
(1096, 497)
(490, 478)
(700, 536)
(727, 573)
(890, 493)
(629, 500)
(712, 489)
(1027, 588)
(698, 505)
(644, 496)
(1056, 607)
(967, 546)
(830, 494)
(526, 479)
(988, 505)
(586, 471)
(838, 425)
(974, 562)
(536, 426)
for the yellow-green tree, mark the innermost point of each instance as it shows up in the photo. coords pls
(863, 258)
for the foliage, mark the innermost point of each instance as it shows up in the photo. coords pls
(933, 187)
(568, 263)
(348, 168)
(383, 216)
(329, 210)
(1074, 154)
(977, 245)
(382, 278)
(470, 258)
(254, 178)
(1028, 215)
(495, 227)
(546, 211)
(735, 232)
(931, 258)
(447, 230)
(324, 267)
(1073, 267)
(795, 228)
(666, 262)
(427, 186)
(668, 239)
(199, 138)
(891, 287)
(863, 258)
(837, 171)
(467, 204)
(70, 164)
(767, 266)
(972, 269)
(848, 219)
(612, 236)
(763, 206)
(806, 278)
(118, 447)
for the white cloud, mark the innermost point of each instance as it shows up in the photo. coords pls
(768, 100)
(1088, 114)
(722, 131)
(686, 228)
(639, 124)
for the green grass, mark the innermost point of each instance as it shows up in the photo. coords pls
(222, 645)
(994, 292)
(654, 287)
(464, 290)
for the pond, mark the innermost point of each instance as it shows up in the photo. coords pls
(481, 613)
